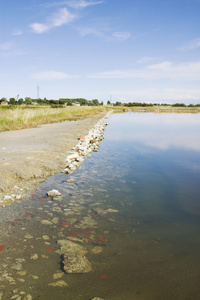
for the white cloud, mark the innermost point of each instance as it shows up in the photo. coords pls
(39, 28)
(63, 16)
(121, 36)
(104, 33)
(76, 4)
(164, 70)
(194, 44)
(52, 75)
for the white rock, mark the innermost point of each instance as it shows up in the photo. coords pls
(7, 197)
(54, 193)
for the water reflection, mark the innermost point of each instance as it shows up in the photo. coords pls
(162, 131)
(171, 144)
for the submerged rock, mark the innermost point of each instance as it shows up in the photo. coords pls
(54, 193)
(74, 259)
(70, 180)
(60, 283)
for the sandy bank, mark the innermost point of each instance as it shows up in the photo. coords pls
(29, 156)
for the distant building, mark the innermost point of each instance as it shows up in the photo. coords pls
(76, 104)
(4, 103)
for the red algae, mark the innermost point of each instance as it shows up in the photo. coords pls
(64, 224)
(1, 247)
(49, 250)
(101, 239)
(103, 276)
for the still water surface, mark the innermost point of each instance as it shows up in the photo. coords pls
(137, 200)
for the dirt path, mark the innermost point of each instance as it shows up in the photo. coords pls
(29, 156)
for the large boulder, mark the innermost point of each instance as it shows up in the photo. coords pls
(73, 257)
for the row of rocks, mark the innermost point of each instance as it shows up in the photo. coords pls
(85, 146)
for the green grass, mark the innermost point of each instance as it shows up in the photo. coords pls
(14, 118)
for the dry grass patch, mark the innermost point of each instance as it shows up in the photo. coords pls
(28, 117)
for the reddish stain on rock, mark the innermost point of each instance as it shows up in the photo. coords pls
(101, 239)
(103, 276)
(1, 247)
(28, 215)
(49, 250)
(95, 215)
(41, 200)
(73, 233)
(64, 223)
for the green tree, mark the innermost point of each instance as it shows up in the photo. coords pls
(96, 102)
(12, 101)
(28, 100)
(20, 101)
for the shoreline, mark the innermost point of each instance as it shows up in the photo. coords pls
(29, 156)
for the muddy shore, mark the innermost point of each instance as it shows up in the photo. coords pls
(29, 156)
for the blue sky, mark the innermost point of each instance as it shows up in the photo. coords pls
(127, 50)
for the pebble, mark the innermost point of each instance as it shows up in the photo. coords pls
(45, 237)
(70, 180)
(60, 283)
(28, 236)
(58, 275)
(46, 222)
(34, 256)
(55, 220)
(17, 267)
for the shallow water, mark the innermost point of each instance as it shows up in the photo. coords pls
(148, 172)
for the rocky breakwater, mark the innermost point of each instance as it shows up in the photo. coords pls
(86, 145)
(43, 155)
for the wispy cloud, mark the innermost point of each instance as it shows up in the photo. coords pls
(6, 46)
(194, 44)
(146, 59)
(105, 33)
(17, 32)
(63, 16)
(9, 49)
(164, 70)
(52, 75)
(76, 4)
(121, 35)
(84, 31)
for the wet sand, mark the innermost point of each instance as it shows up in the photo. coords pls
(29, 156)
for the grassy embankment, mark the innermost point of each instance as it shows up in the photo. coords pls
(18, 117)
(14, 118)
(158, 109)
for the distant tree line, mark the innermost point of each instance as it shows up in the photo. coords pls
(45, 101)
(85, 102)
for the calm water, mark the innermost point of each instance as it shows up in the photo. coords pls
(137, 200)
